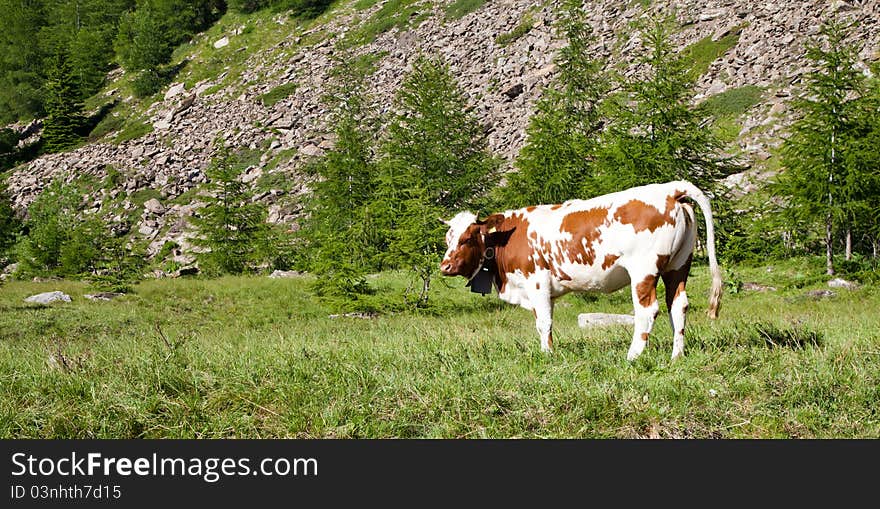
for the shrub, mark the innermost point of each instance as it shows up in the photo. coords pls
(460, 8)
(59, 239)
(147, 83)
(278, 93)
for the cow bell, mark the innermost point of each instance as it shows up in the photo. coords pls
(482, 281)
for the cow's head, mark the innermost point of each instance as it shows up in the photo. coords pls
(466, 241)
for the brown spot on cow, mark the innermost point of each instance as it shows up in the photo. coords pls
(556, 207)
(645, 336)
(516, 253)
(675, 281)
(609, 261)
(538, 285)
(662, 261)
(647, 217)
(531, 208)
(584, 229)
(647, 290)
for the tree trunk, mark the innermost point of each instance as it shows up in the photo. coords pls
(829, 240)
(848, 253)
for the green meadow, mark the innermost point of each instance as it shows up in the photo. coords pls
(256, 357)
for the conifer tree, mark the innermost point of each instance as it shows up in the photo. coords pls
(10, 225)
(435, 163)
(654, 133)
(231, 227)
(556, 162)
(62, 238)
(338, 231)
(820, 180)
(21, 60)
(64, 118)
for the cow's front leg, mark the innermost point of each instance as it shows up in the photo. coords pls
(644, 294)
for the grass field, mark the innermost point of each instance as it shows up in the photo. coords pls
(260, 357)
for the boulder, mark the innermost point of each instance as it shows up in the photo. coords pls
(757, 287)
(48, 297)
(154, 206)
(103, 295)
(220, 43)
(586, 320)
(278, 274)
(842, 283)
(175, 90)
(820, 294)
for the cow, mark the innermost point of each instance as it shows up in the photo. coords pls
(536, 254)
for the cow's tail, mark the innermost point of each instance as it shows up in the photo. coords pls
(692, 192)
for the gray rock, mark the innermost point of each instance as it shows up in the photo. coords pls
(185, 271)
(153, 205)
(820, 294)
(586, 320)
(842, 283)
(48, 297)
(175, 90)
(103, 295)
(311, 150)
(757, 287)
(278, 274)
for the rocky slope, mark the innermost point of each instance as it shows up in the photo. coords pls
(503, 81)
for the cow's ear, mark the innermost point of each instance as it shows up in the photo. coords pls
(498, 238)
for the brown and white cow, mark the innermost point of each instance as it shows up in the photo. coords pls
(537, 254)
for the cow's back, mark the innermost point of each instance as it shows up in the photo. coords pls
(588, 244)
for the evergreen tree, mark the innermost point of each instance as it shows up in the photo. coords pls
(142, 42)
(820, 181)
(60, 237)
(21, 60)
(64, 118)
(556, 162)
(231, 227)
(654, 133)
(10, 226)
(84, 30)
(435, 163)
(339, 233)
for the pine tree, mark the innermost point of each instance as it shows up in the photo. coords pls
(10, 225)
(435, 163)
(64, 118)
(338, 231)
(556, 162)
(21, 60)
(230, 226)
(143, 43)
(654, 133)
(820, 184)
(51, 219)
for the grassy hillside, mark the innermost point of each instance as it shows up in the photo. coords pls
(259, 357)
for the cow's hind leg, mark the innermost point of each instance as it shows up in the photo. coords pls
(644, 294)
(677, 303)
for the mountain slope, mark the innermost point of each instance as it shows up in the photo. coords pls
(257, 82)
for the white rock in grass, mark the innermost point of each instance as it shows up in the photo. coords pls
(842, 283)
(221, 42)
(48, 297)
(603, 319)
